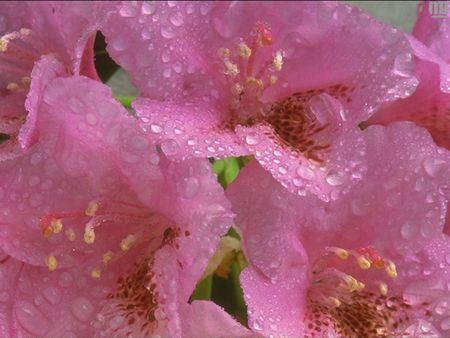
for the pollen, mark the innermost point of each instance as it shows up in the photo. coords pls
(273, 79)
(277, 61)
(91, 209)
(51, 263)
(244, 51)
(391, 269)
(107, 256)
(56, 225)
(383, 289)
(12, 87)
(4, 45)
(254, 81)
(341, 253)
(26, 80)
(89, 234)
(70, 234)
(223, 52)
(96, 273)
(231, 69)
(363, 262)
(352, 284)
(335, 301)
(127, 242)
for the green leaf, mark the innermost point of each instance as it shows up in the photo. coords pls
(203, 289)
(125, 100)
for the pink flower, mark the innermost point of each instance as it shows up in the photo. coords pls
(280, 80)
(106, 237)
(370, 264)
(40, 41)
(429, 106)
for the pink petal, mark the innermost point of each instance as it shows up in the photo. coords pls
(433, 32)
(215, 322)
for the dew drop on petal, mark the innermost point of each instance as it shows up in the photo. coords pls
(82, 308)
(169, 147)
(305, 172)
(409, 230)
(433, 166)
(189, 187)
(335, 179)
(156, 129)
(52, 294)
(31, 318)
(128, 11)
(252, 139)
(147, 8)
(65, 279)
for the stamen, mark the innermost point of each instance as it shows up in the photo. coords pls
(277, 62)
(89, 234)
(51, 263)
(91, 209)
(351, 284)
(383, 288)
(12, 86)
(223, 52)
(96, 273)
(26, 80)
(391, 269)
(56, 225)
(244, 51)
(127, 242)
(231, 68)
(273, 79)
(341, 253)
(334, 301)
(363, 262)
(107, 256)
(70, 234)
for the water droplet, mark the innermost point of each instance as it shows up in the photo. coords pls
(165, 56)
(82, 308)
(167, 32)
(147, 8)
(305, 172)
(442, 307)
(120, 44)
(189, 187)
(65, 279)
(156, 129)
(445, 324)
(433, 166)
(169, 147)
(52, 294)
(128, 11)
(252, 139)
(31, 318)
(190, 8)
(191, 142)
(204, 8)
(34, 180)
(167, 72)
(176, 19)
(403, 65)
(282, 170)
(91, 119)
(409, 230)
(154, 159)
(335, 179)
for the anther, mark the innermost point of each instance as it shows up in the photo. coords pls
(334, 301)
(25, 31)
(26, 80)
(12, 87)
(254, 81)
(231, 68)
(91, 209)
(341, 253)
(363, 262)
(383, 289)
(277, 61)
(4, 45)
(223, 52)
(244, 51)
(127, 242)
(107, 256)
(391, 269)
(96, 273)
(273, 79)
(51, 263)
(56, 225)
(70, 234)
(89, 234)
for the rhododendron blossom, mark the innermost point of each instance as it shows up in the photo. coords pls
(40, 41)
(112, 235)
(357, 267)
(279, 80)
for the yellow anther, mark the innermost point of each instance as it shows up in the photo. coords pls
(383, 289)
(223, 52)
(363, 262)
(56, 225)
(273, 79)
(231, 68)
(107, 256)
(26, 80)
(12, 87)
(244, 51)
(70, 234)
(51, 263)
(47, 232)
(89, 234)
(335, 301)
(391, 270)
(96, 273)
(352, 284)
(4, 45)
(253, 81)
(127, 242)
(341, 253)
(91, 209)
(277, 61)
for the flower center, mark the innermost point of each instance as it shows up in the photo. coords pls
(341, 304)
